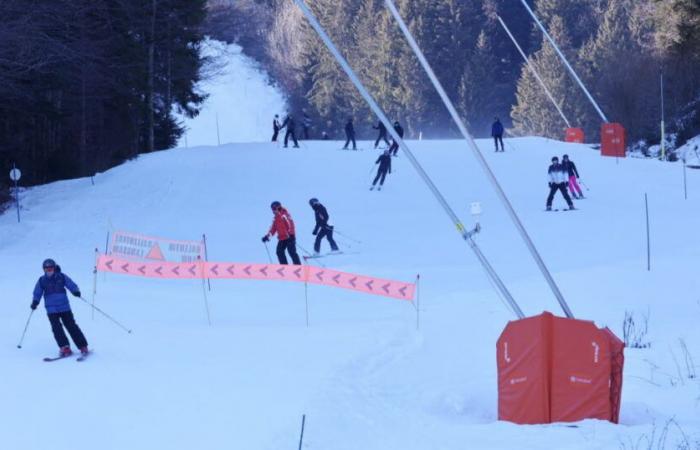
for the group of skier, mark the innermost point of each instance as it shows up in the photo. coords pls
(283, 226)
(561, 175)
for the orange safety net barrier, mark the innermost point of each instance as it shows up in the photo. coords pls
(243, 271)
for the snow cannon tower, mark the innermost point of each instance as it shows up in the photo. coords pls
(574, 135)
(554, 369)
(612, 140)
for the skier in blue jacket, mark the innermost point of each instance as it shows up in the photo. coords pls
(52, 286)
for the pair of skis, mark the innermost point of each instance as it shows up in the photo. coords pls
(82, 357)
(323, 255)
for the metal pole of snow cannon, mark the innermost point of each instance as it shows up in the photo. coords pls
(21, 340)
(484, 165)
(646, 208)
(566, 63)
(388, 124)
(206, 256)
(534, 71)
(106, 315)
(200, 263)
(301, 437)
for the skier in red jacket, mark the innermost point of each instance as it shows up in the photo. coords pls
(283, 226)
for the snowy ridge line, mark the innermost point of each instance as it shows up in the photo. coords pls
(244, 271)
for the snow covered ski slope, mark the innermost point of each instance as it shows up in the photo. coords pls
(361, 372)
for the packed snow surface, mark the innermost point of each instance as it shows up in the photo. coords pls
(362, 373)
(241, 99)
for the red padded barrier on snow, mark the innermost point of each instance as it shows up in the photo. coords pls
(574, 135)
(523, 386)
(612, 140)
(554, 369)
(580, 371)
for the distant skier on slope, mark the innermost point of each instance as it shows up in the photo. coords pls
(291, 128)
(52, 286)
(394, 149)
(306, 124)
(557, 177)
(384, 162)
(350, 134)
(322, 228)
(497, 133)
(283, 226)
(276, 127)
(382, 134)
(570, 168)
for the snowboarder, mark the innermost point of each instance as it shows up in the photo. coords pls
(382, 134)
(291, 128)
(497, 133)
(275, 127)
(557, 182)
(322, 228)
(52, 286)
(570, 168)
(283, 225)
(350, 134)
(394, 145)
(384, 162)
(306, 124)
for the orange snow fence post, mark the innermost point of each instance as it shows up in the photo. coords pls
(612, 140)
(554, 369)
(574, 135)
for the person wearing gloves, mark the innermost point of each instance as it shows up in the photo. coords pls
(283, 226)
(322, 228)
(558, 179)
(52, 287)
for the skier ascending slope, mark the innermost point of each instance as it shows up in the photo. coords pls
(557, 176)
(384, 162)
(283, 226)
(52, 286)
(322, 228)
(570, 168)
(382, 134)
(395, 145)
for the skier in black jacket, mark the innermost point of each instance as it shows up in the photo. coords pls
(350, 133)
(557, 177)
(322, 228)
(384, 162)
(497, 133)
(291, 128)
(394, 149)
(276, 127)
(382, 134)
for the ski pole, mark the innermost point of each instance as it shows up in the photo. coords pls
(106, 315)
(584, 185)
(347, 237)
(25, 329)
(268, 252)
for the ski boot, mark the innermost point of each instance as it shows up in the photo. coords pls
(65, 351)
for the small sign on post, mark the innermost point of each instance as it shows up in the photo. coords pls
(15, 175)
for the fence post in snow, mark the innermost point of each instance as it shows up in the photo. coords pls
(218, 136)
(301, 437)
(685, 182)
(417, 302)
(646, 207)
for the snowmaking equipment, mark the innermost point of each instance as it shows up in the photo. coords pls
(532, 349)
(612, 135)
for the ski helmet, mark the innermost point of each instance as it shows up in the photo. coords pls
(274, 205)
(48, 263)
(313, 201)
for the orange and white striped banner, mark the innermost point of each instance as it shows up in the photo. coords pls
(243, 271)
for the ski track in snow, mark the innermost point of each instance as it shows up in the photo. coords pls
(361, 372)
